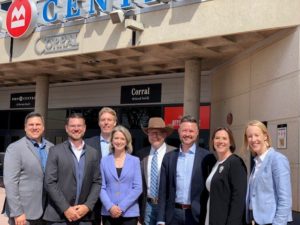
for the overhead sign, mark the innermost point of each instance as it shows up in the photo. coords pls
(22, 100)
(21, 18)
(148, 93)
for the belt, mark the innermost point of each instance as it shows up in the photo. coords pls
(153, 201)
(182, 206)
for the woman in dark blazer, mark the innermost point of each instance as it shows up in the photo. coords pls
(121, 181)
(227, 183)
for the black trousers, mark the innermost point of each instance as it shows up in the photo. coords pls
(11, 221)
(107, 220)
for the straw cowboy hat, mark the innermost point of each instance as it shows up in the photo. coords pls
(158, 123)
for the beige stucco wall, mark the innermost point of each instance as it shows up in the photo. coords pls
(192, 21)
(4, 42)
(4, 49)
(92, 37)
(263, 85)
(3, 16)
(215, 18)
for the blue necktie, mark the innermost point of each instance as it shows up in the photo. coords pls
(43, 157)
(154, 176)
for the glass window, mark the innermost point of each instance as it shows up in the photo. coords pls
(4, 118)
(2, 143)
(135, 117)
(17, 119)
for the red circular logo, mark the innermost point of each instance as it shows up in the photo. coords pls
(21, 18)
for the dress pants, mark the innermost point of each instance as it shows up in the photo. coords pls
(11, 221)
(183, 217)
(107, 220)
(71, 223)
(150, 214)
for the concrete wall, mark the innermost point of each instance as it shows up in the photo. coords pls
(263, 85)
(103, 93)
(176, 21)
(4, 41)
(216, 18)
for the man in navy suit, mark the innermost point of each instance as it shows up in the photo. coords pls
(107, 120)
(182, 195)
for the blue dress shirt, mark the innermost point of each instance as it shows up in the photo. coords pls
(184, 171)
(40, 148)
(104, 146)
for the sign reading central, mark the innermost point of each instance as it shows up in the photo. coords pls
(21, 18)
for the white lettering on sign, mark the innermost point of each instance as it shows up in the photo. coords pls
(140, 91)
(57, 43)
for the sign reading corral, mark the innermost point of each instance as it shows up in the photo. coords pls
(57, 43)
(146, 93)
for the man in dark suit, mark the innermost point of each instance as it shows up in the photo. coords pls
(72, 178)
(157, 132)
(107, 120)
(182, 195)
(24, 166)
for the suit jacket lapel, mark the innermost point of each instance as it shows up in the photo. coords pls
(70, 156)
(174, 161)
(145, 164)
(112, 167)
(265, 163)
(197, 159)
(99, 146)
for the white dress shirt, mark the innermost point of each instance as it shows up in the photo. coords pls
(161, 151)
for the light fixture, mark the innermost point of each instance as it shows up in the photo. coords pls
(134, 25)
(117, 16)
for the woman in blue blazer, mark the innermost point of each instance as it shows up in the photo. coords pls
(269, 197)
(227, 183)
(121, 181)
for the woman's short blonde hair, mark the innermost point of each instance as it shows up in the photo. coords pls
(264, 130)
(127, 135)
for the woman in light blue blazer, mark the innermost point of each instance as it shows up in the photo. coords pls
(269, 197)
(121, 181)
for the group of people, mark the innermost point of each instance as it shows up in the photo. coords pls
(99, 181)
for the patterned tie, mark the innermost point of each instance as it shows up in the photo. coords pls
(154, 176)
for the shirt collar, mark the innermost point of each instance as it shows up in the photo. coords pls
(160, 150)
(81, 147)
(39, 145)
(260, 159)
(103, 140)
(191, 150)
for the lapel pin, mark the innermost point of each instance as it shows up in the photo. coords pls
(221, 168)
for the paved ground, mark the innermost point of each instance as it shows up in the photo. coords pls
(3, 219)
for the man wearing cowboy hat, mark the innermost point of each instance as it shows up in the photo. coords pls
(151, 158)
